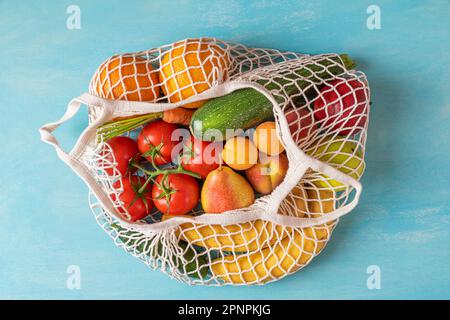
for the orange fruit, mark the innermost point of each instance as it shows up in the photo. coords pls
(240, 153)
(126, 78)
(266, 139)
(191, 67)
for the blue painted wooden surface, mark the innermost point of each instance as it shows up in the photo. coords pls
(401, 224)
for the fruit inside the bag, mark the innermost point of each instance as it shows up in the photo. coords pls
(175, 193)
(268, 173)
(156, 142)
(344, 155)
(125, 77)
(341, 106)
(191, 67)
(200, 157)
(238, 167)
(266, 139)
(135, 197)
(228, 153)
(240, 153)
(224, 190)
(246, 108)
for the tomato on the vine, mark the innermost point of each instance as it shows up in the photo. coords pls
(200, 157)
(136, 204)
(175, 194)
(123, 151)
(156, 142)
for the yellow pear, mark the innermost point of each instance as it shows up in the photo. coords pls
(225, 190)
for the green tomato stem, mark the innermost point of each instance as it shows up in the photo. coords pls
(165, 172)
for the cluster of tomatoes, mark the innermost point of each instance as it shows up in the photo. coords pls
(155, 174)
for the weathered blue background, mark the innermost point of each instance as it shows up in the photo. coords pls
(401, 224)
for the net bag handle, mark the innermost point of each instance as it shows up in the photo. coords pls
(109, 109)
(72, 158)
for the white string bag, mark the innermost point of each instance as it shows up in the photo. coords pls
(281, 232)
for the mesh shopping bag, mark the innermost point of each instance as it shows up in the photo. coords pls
(320, 106)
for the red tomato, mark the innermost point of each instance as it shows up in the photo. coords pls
(175, 194)
(200, 157)
(123, 150)
(137, 206)
(156, 138)
(342, 105)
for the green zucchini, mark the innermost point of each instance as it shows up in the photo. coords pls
(246, 108)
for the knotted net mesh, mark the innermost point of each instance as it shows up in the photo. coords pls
(320, 106)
